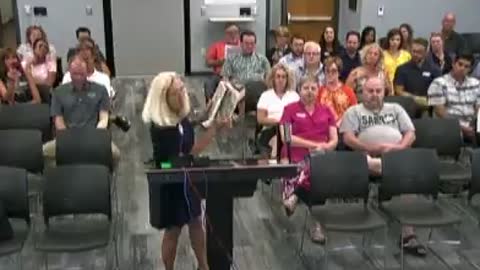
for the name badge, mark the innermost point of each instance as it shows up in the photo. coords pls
(426, 74)
(301, 115)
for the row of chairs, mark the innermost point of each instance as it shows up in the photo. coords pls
(68, 190)
(411, 171)
(81, 183)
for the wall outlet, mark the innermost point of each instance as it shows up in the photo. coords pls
(89, 10)
(381, 10)
(203, 51)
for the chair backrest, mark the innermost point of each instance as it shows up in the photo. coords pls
(443, 135)
(76, 189)
(338, 175)
(27, 116)
(14, 192)
(84, 146)
(407, 103)
(475, 181)
(22, 149)
(409, 171)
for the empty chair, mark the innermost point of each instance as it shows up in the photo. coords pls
(27, 116)
(331, 179)
(444, 135)
(407, 103)
(413, 171)
(84, 146)
(14, 201)
(76, 190)
(253, 91)
(21, 149)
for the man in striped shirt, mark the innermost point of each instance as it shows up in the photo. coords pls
(456, 95)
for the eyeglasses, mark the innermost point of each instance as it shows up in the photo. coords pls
(331, 71)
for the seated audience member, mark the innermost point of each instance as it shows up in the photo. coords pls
(43, 72)
(87, 52)
(375, 127)
(437, 55)
(313, 130)
(271, 103)
(100, 63)
(33, 33)
(16, 84)
(456, 95)
(407, 36)
(369, 36)
(372, 67)
(453, 42)
(247, 65)
(413, 78)
(312, 66)
(83, 33)
(394, 55)
(334, 94)
(217, 53)
(294, 59)
(79, 104)
(329, 43)
(281, 48)
(350, 55)
(165, 111)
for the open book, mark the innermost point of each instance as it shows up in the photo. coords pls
(223, 102)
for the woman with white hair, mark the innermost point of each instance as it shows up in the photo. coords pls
(165, 110)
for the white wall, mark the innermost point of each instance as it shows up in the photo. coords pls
(203, 33)
(348, 19)
(424, 15)
(148, 36)
(6, 7)
(63, 18)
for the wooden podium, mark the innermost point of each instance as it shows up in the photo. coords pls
(219, 185)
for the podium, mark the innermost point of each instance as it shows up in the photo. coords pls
(219, 185)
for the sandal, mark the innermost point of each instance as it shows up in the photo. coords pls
(290, 204)
(411, 245)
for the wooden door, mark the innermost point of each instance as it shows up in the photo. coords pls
(309, 17)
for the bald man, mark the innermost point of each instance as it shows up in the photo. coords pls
(79, 104)
(453, 42)
(375, 127)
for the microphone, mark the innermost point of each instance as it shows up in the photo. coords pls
(287, 135)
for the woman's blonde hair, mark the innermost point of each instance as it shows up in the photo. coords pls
(271, 77)
(366, 49)
(282, 31)
(156, 109)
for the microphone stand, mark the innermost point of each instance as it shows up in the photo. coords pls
(287, 130)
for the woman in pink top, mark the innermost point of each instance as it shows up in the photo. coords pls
(313, 129)
(44, 72)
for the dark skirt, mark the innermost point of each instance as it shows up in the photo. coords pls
(173, 206)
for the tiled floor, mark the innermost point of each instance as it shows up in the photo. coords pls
(264, 237)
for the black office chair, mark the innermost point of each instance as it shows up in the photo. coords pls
(444, 135)
(27, 116)
(84, 146)
(407, 103)
(253, 91)
(413, 171)
(23, 149)
(13, 196)
(77, 190)
(331, 180)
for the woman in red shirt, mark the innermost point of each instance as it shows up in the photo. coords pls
(335, 95)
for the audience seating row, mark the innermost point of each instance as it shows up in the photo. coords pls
(414, 171)
(81, 183)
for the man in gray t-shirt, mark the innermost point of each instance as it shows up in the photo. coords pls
(375, 127)
(79, 104)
